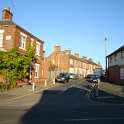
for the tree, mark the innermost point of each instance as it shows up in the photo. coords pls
(52, 69)
(15, 66)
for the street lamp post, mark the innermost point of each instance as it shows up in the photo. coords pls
(30, 74)
(30, 77)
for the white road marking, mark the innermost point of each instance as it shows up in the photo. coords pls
(94, 119)
(105, 97)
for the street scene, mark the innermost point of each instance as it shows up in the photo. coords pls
(61, 62)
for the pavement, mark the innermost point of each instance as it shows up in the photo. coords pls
(23, 91)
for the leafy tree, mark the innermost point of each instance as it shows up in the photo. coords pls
(15, 66)
(52, 69)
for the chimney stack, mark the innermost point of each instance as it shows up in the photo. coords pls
(7, 14)
(57, 48)
(84, 57)
(68, 52)
(77, 55)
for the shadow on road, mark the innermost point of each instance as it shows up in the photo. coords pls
(56, 107)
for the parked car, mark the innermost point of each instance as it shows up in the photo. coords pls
(73, 76)
(88, 77)
(62, 77)
(95, 79)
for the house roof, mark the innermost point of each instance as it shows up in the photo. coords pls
(83, 60)
(4, 22)
(116, 51)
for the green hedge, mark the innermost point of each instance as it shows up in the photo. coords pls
(4, 87)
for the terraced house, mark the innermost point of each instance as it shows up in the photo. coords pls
(115, 66)
(14, 36)
(65, 61)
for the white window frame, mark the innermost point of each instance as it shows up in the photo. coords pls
(32, 42)
(38, 47)
(1, 38)
(37, 69)
(23, 40)
(84, 65)
(53, 61)
(8, 37)
(71, 62)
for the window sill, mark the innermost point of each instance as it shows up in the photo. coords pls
(22, 48)
(36, 77)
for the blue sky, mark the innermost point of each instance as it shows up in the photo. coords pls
(79, 25)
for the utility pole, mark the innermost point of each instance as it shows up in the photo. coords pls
(13, 5)
(105, 40)
(106, 52)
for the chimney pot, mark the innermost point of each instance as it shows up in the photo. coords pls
(77, 55)
(57, 48)
(68, 52)
(7, 14)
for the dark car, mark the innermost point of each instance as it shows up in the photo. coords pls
(88, 77)
(95, 79)
(73, 76)
(62, 77)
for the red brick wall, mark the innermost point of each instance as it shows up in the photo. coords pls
(64, 62)
(14, 32)
(114, 74)
(60, 58)
(9, 30)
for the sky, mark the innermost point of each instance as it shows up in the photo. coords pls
(78, 25)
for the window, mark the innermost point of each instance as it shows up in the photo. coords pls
(110, 59)
(22, 42)
(38, 48)
(42, 72)
(122, 73)
(53, 61)
(37, 68)
(115, 58)
(8, 37)
(84, 65)
(122, 54)
(32, 42)
(1, 38)
(71, 62)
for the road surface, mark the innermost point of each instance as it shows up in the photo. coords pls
(66, 104)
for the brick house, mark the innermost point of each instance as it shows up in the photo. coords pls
(14, 36)
(67, 62)
(115, 66)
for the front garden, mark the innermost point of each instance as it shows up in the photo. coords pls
(14, 66)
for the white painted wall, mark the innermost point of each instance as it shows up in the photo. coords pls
(117, 59)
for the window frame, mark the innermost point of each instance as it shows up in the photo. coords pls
(2, 37)
(22, 39)
(38, 48)
(37, 69)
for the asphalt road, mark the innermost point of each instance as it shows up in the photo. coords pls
(65, 104)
